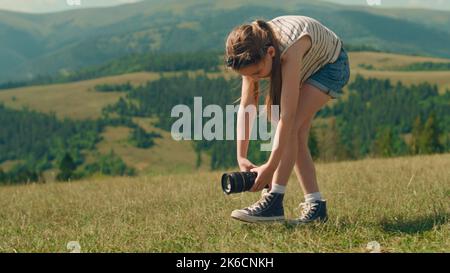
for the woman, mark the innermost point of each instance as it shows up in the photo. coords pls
(307, 66)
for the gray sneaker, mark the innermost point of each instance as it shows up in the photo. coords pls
(313, 211)
(268, 208)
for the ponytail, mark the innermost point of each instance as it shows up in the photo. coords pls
(247, 44)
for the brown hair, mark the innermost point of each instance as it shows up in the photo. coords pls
(247, 44)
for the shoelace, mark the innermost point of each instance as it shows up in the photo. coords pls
(307, 208)
(264, 201)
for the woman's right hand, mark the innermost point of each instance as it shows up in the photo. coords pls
(245, 165)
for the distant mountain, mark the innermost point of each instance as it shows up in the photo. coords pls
(32, 44)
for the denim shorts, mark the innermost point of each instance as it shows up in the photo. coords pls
(332, 77)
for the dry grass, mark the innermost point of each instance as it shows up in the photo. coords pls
(381, 60)
(388, 60)
(77, 100)
(403, 203)
(440, 78)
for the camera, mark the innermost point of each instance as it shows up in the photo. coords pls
(236, 182)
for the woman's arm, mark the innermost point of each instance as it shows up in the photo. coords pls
(291, 68)
(245, 121)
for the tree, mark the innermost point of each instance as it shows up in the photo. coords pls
(388, 143)
(313, 145)
(198, 153)
(416, 134)
(66, 168)
(383, 144)
(447, 142)
(425, 138)
(330, 142)
(110, 164)
(22, 173)
(429, 140)
(2, 176)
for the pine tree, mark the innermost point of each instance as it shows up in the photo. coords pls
(2, 176)
(388, 142)
(416, 135)
(384, 143)
(429, 141)
(447, 142)
(330, 142)
(66, 168)
(198, 153)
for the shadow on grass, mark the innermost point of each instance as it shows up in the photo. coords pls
(416, 225)
(401, 224)
(291, 225)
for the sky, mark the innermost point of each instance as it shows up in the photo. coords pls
(40, 6)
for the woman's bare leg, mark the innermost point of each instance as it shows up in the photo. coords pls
(304, 165)
(311, 100)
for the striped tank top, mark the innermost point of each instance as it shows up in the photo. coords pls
(325, 44)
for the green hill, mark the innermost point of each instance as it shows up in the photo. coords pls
(81, 101)
(86, 103)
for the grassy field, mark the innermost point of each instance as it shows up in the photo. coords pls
(386, 61)
(76, 100)
(402, 203)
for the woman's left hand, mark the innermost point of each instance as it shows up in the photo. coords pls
(264, 177)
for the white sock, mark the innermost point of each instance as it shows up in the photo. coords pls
(278, 188)
(312, 197)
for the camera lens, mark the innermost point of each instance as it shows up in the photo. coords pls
(236, 182)
(228, 184)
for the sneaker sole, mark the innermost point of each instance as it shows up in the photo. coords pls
(254, 219)
(298, 222)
